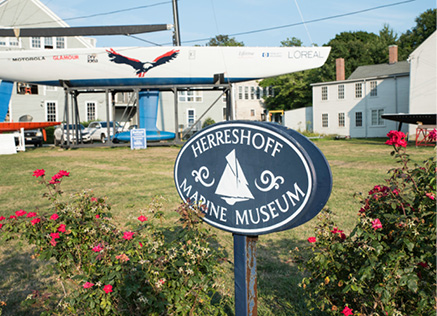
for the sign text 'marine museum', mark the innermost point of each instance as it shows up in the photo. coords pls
(253, 177)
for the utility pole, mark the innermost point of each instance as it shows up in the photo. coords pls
(176, 34)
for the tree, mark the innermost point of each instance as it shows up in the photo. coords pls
(223, 40)
(411, 39)
(294, 41)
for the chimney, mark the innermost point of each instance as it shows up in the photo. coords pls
(339, 66)
(392, 54)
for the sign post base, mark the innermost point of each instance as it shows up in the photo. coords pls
(246, 301)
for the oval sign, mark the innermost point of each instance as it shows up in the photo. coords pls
(253, 178)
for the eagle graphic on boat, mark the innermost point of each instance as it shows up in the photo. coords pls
(233, 186)
(141, 67)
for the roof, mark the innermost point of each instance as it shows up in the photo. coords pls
(381, 70)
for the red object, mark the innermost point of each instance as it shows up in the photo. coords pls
(16, 126)
(424, 135)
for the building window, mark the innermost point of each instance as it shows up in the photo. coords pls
(324, 93)
(358, 119)
(224, 114)
(376, 117)
(252, 93)
(60, 42)
(325, 120)
(358, 90)
(373, 89)
(340, 119)
(91, 111)
(252, 112)
(246, 93)
(25, 88)
(341, 91)
(240, 92)
(258, 93)
(48, 42)
(191, 115)
(51, 111)
(36, 42)
(190, 96)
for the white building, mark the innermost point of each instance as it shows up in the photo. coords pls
(353, 107)
(423, 79)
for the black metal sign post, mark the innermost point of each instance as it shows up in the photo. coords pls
(252, 178)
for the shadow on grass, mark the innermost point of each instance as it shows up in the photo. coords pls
(279, 293)
(21, 276)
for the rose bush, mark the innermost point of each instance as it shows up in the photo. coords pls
(105, 270)
(386, 266)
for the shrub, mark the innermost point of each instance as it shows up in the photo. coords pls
(208, 121)
(386, 266)
(142, 270)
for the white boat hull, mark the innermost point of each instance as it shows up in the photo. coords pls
(156, 65)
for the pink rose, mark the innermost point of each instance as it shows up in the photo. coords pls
(20, 213)
(97, 216)
(397, 139)
(61, 228)
(376, 224)
(88, 285)
(54, 235)
(347, 311)
(142, 218)
(31, 214)
(2, 218)
(107, 288)
(39, 173)
(63, 173)
(312, 240)
(54, 217)
(35, 221)
(98, 248)
(128, 235)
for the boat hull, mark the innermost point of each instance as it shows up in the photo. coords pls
(134, 66)
(16, 126)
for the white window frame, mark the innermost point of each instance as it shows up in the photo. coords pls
(193, 117)
(87, 110)
(240, 92)
(341, 119)
(325, 118)
(373, 88)
(340, 92)
(35, 40)
(360, 115)
(377, 121)
(358, 90)
(325, 93)
(190, 96)
(46, 103)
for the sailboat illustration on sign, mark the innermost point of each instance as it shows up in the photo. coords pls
(233, 186)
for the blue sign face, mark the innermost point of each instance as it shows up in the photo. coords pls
(253, 178)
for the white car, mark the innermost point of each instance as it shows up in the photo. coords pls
(99, 130)
(60, 134)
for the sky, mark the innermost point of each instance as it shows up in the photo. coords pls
(311, 21)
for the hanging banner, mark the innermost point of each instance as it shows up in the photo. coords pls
(253, 178)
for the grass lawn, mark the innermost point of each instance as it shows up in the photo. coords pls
(130, 179)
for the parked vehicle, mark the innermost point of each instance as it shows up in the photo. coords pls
(60, 134)
(99, 130)
(33, 136)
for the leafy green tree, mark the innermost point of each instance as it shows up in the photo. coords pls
(411, 39)
(224, 40)
(294, 41)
